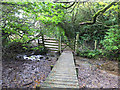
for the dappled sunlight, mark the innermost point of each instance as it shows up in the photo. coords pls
(72, 44)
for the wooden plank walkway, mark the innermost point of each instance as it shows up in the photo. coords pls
(63, 75)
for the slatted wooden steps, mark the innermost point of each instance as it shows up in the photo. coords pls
(63, 75)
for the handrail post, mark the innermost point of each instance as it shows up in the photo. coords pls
(43, 41)
(95, 44)
(76, 41)
(38, 42)
(59, 45)
(38, 87)
(74, 44)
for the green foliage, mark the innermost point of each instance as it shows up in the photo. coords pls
(25, 21)
(93, 32)
(39, 50)
(15, 47)
(21, 21)
(15, 24)
(50, 13)
(89, 53)
(111, 42)
(11, 50)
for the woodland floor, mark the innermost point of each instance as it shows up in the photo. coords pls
(97, 73)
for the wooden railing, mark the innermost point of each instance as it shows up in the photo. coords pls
(52, 44)
(58, 44)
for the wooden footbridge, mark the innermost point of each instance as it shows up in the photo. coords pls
(63, 74)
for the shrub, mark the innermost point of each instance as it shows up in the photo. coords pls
(89, 53)
(111, 42)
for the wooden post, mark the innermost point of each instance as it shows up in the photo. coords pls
(95, 44)
(38, 87)
(51, 67)
(38, 42)
(59, 45)
(76, 43)
(43, 41)
(77, 71)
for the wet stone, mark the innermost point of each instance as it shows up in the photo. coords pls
(41, 57)
(49, 60)
(47, 57)
(36, 71)
(84, 59)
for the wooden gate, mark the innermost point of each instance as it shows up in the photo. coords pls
(52, 44)
(58, 44)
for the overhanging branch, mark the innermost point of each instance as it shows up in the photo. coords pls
(69, 6)
(97, 14)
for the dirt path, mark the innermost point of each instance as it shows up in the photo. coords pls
(90, 76)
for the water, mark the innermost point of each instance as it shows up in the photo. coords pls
(32, 57)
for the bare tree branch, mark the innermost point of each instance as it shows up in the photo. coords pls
(72, 9)
(57, 1)
(97, 14)
(69, 6)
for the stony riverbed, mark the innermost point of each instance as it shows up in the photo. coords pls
(95, 73)
(26, 71)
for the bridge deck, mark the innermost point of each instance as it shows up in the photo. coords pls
(63, 75)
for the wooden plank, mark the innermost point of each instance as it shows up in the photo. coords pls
(52, 39)
(52, 47)
(53, 50)
(50, 42)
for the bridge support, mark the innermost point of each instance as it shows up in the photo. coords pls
(95, 44)
(76, 41)
(59, 45)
